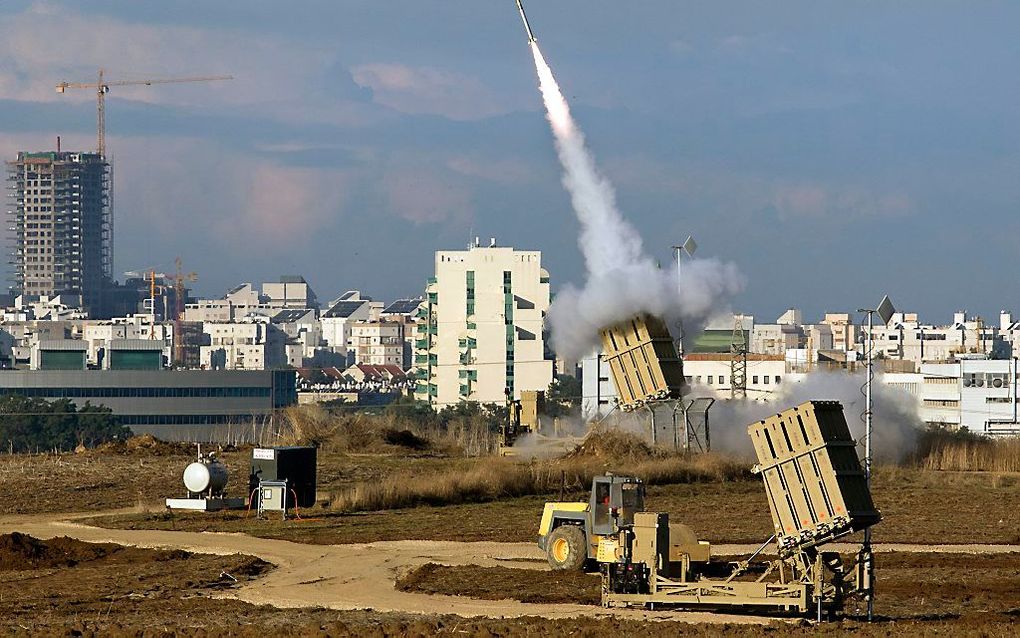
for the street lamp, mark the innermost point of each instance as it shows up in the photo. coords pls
(689, 246)
(885, 312)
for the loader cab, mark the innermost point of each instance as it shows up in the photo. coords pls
(569, 532)
(614, 500)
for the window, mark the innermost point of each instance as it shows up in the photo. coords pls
(778, 378)
(754, 379)
(710, 377)
(765, 379)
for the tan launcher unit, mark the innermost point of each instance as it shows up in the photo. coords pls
(816, 493)
(643, 361)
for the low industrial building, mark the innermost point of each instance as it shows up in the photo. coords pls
(188, 405)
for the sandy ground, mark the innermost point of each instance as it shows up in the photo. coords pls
(361, 576)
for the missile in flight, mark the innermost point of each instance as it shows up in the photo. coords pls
(527, 27)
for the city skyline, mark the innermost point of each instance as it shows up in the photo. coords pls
(833, 153)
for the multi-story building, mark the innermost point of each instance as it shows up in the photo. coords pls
(61, 226)
(405, 312)
(191, 405)
(250, 345)
(377, 343)
(905, 338)
(844, 330)
(337, 321)
(481, 338)
(975, 393)
(292, 291)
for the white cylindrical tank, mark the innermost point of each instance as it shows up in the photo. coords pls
(205, 477)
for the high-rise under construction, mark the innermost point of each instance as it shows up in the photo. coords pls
(60, 225)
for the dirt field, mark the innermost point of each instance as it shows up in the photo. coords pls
(918, 507)
(66, 587)
(350, 561)
(909, 585)
(143, 477)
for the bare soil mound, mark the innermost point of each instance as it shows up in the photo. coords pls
(611, 444)
(145, 445)
(502, 583)
(19, 552)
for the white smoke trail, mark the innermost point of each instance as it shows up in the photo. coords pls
(622, 280)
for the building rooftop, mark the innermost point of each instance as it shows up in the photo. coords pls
(289, 316)
(343, 309)
(402, 307)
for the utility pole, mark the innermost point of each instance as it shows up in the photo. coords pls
(738, 360)
(885, 311)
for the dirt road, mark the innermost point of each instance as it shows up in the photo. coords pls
(348, 577)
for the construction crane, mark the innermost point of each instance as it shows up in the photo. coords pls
(178, 279)
(102, 87)
(151, 276)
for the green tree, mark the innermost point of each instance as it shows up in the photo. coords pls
(563, 395)
(28, 424)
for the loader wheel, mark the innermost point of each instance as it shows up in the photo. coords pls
(567, 548)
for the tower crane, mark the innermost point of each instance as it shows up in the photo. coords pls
(179, 277)
(102, 87)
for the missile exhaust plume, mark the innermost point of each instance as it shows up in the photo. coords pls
(622, 280)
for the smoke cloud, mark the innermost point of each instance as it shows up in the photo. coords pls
(896, 418)
(622, 280)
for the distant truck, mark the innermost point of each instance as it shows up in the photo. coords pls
(644, 362)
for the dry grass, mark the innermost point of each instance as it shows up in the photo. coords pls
(941, 449)
(361, 432)
(504, 478)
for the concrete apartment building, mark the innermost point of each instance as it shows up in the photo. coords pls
(292, 291)
(377, 343)
(906, 339)
(978, 394)
(252, 345)
(60, 225)
(481, 334)
(405, 311)
(337, 320)
(844, 330)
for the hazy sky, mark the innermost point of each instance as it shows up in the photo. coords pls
(834, 151)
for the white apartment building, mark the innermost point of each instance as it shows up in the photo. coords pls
(775, 338)
(844, 330)
(978, 394)
(251, 345)
(905, 338)
(377, 342)
(292, 291)
(405, 311)
(336, 324)
(482, 332)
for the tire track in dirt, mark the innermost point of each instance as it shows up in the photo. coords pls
(361, 576)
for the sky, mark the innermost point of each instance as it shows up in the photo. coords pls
(834, 151)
